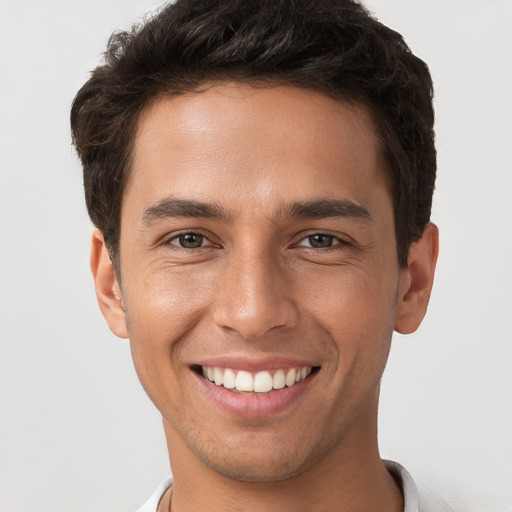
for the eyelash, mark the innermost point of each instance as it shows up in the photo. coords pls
(334, 240)
(188, 233)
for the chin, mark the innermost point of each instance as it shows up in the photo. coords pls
(258, 470)
(256, 460)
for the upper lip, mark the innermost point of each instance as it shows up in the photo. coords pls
(255, 364)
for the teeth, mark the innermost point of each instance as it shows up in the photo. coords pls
(229, 380)
(244, 381)
(263, 382)
(290, 378)
(260, 382)
(218, 377)
(279, 380)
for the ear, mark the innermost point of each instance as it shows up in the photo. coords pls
(108, 291)
(416, 281)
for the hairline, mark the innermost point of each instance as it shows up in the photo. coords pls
(258, 82)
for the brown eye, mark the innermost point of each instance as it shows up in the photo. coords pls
(189, 240)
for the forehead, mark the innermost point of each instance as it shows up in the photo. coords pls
(234, 140)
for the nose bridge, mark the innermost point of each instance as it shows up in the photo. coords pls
(253, 297)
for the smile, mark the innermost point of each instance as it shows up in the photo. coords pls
(265, 381)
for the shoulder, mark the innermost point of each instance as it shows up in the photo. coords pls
(406, 483)
(152, 502)
(415, 500)
(425, 501)
(431, 502)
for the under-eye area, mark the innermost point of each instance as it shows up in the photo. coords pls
(265, 381)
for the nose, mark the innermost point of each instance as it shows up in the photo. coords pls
(253, 297)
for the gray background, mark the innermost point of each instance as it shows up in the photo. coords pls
(77, 432)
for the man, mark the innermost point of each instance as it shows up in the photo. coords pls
(260, 174)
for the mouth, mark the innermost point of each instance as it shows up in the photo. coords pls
(255, 383)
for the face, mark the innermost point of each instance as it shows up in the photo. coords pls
(259, 276)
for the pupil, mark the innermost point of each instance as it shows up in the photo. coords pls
(191, 240)
(321, 240)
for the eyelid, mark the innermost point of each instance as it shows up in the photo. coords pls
(166, 240)
(340, 238)
(175, 241)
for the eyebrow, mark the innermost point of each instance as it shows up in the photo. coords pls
(316, 209)
(175, 207)
(324, 208)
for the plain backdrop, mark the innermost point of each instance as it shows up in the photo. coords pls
(76, 430)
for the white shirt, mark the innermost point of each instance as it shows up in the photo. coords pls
(404, 479)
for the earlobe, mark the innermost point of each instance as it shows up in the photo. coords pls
(416, 281)
(108, 291)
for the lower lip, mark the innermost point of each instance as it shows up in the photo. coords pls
(254, 406)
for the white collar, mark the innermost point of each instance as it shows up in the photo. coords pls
(403, 478)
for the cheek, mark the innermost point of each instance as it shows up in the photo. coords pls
(357, 309)
(164, 301)
(162, 309)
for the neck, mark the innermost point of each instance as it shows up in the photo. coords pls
(350, 477)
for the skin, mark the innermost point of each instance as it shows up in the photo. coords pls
(256, 287)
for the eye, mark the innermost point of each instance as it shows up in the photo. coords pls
(189, 240)
(319, 241)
